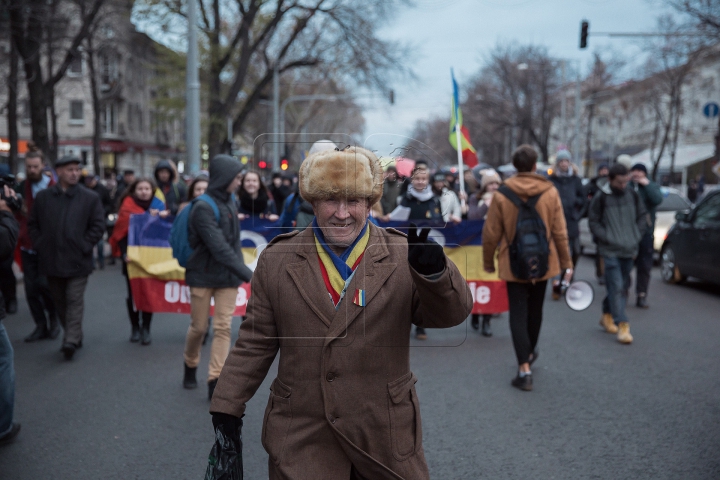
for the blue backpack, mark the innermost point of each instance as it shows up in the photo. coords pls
(179, 242)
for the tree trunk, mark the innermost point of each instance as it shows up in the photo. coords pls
(97, 106)
(13, 135)
(674, 141)
(588, 137)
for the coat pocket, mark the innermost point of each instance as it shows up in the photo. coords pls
(277, 420)
(405, 428)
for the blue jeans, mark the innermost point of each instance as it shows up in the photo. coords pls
(617, 283)
(101, 253)
(7, 382)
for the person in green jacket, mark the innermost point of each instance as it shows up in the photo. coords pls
(652, 196)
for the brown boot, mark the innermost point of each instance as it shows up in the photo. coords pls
(623, 335)
(608, 324)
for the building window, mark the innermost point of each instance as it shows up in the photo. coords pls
(76, 66)
(77, 115)
(108, 70)
(108, 118)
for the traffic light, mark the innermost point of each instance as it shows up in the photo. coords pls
(392, 97)
(262, 164)
(284, 164)
(584, 33)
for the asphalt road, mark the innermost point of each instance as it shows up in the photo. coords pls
(599, 409)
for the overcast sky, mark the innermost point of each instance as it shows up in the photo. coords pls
(459, 34)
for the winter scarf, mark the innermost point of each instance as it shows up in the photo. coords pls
(422, 196)
(257, 206)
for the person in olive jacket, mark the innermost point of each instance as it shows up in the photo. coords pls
(66, 222)
(214, 270)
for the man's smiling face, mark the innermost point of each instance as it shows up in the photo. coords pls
(341, 220)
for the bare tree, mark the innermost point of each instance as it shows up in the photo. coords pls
(37, 23)
(704, 15)
(247, 40)
(670, 66)
(11, 87)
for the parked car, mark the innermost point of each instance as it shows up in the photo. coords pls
(673, 202)
(692, 246)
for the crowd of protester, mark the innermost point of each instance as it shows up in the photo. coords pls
(67, 214)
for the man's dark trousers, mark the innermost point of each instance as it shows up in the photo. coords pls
(526, 304)
(68, 294)
(37, 291)
(644, 263)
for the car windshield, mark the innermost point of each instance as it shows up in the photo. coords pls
(672, 203)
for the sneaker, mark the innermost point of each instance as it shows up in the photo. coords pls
(523, 383)
(10, 436)
(420, 333)
(623, 335)
(608, 324)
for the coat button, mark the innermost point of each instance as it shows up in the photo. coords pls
(330, 377)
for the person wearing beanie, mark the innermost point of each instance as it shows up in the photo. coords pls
(574, 200)
(479, 204)
(338, 301)
(652, 196)
(215, 269)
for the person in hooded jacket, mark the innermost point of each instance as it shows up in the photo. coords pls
(214, 270)
(175, 192)
(573, 198)
(139, 198)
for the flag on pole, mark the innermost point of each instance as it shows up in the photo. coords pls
(469, 154)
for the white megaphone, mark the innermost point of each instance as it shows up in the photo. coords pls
(579, 295)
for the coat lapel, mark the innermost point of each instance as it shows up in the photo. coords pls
(370, 276)
(308, 279)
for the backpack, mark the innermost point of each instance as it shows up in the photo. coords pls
(179, 242)
(530, 249)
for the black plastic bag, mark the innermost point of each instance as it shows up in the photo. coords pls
(225, 460)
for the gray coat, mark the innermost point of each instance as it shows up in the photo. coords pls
(216, 261)
(618, 222)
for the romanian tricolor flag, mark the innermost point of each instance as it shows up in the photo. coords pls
(469, 154)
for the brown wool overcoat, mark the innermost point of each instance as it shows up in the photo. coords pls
(344, 395)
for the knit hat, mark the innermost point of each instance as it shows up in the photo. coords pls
(490, 176)
(350, 173)
(624, 159)
(641, 167)
(562, 155)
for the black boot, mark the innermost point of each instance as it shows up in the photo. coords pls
(211, 387)
(134, 321)
(145, 333)
(475, 321)
(39, 333)
(189, 381)
(486, 331)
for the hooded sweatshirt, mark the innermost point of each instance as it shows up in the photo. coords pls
(175, 192)
(573, 198)
(216, 261)
(501, 221)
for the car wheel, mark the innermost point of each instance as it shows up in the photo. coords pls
(669, 268)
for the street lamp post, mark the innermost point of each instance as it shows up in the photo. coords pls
(192, 108)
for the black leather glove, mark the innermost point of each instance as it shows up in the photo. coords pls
(424, 255)
(225, 461)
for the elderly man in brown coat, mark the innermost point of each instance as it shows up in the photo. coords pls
(338, 301)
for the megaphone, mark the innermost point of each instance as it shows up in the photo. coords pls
(578, 295)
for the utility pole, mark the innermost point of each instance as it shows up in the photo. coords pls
(276, 117)
(563, 107)
(192, 108)
(578, 157)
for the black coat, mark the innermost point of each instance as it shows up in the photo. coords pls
(216, 261)
(64, 227)
(105, 198)
(9, 229)
(427, 210)
(175, 191)
(573, 198)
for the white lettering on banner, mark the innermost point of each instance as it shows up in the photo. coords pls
(172, 292)
(480, 294)
(241, 298)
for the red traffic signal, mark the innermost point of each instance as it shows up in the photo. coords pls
(262, 164)
(284, 164)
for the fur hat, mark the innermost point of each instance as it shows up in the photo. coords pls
(489, 176)
(351, 173)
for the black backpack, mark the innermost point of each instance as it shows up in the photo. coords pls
(530, 249)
